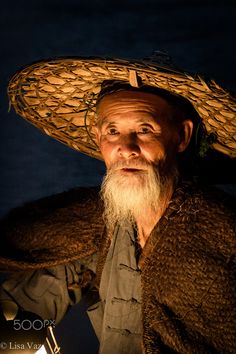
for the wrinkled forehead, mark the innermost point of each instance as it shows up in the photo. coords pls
(131, 102)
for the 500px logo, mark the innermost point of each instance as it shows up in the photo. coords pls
(37, 324)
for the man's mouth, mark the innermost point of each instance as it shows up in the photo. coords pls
(131, 169)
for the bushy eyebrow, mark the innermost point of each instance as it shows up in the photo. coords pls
(101, 122)
(107, 122)
(104, 122)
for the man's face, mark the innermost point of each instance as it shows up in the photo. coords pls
(139, 145)
(136, 125)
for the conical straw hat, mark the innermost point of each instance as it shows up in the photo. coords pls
(59, 96)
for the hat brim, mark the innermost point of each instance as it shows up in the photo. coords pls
(59, 97)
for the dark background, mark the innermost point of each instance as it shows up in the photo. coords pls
(200, 36)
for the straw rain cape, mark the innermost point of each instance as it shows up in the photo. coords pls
(188, 263)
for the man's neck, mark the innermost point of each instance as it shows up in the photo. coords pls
(147, 222)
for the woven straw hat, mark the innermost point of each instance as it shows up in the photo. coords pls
(59, 97)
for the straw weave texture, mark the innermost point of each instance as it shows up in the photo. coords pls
(59, 97)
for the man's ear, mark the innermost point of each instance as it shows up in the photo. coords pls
(185, 134)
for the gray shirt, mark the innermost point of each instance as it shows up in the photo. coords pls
(117, 318)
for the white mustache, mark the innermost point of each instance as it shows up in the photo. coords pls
(138, 163)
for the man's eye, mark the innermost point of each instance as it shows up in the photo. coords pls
(144, 130)
(112, 131)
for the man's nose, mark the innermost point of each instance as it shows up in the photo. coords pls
(128, 146)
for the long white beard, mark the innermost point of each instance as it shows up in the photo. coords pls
(128, 196)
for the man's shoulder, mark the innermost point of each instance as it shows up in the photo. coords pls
(199, 226)
(65, 201)
(54, 229)
(206, 223)
(207, 200)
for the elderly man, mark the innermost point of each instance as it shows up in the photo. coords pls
(160, 252)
